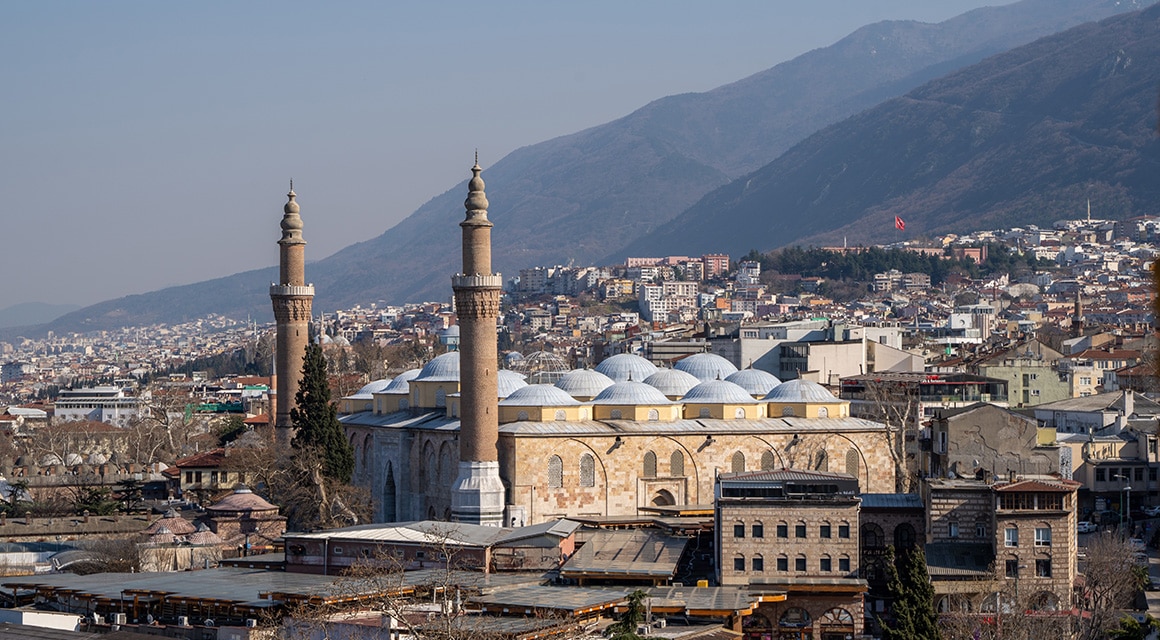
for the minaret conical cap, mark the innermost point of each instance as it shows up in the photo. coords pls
(476, 201)
(291, 222)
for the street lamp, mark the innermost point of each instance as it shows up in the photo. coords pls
(1128, 491)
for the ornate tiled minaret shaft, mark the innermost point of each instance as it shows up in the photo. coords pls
(292, 299)
(478, 494)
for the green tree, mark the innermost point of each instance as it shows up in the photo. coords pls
(631, 619)
(315, 419)
(233, 429)
(913, 605)
(1131, 629)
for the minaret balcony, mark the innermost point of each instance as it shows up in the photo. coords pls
(291, 289)
(476, 281)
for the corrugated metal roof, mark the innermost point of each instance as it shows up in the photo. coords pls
(959, 559)
(892, 501)
(637, 553)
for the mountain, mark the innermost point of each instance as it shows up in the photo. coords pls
(33, 313)
(1024, 137)
(582, 196)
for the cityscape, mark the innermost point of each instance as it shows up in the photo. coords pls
(924, 421)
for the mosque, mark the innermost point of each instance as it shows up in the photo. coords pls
(464, 439)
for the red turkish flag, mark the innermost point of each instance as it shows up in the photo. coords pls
(899, 224)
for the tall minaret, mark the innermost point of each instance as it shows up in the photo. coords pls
(478, 494)
(292, 299)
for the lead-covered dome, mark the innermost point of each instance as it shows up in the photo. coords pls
(539, 395)
(444, 368)
(755, 381)
(378, 386)
(671, 382)
(584, 383)
(401, 383)
(508, 382)
(706, 366)
(718, 392)
(631, 394)
(626, 366)
(800, 391)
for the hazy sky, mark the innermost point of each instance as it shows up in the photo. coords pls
(147, 144)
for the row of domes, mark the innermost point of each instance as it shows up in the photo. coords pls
(625, 379)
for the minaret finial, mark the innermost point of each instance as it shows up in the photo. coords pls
(291, 184)
(477, 157)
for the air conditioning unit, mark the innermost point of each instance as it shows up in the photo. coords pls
(251, 623)
(117, 618)
(183, 621)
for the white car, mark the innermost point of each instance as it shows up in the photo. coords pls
(1086, 527)
(1152, 512)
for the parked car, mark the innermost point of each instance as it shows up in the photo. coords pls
(1152, 512)
(1086, 527)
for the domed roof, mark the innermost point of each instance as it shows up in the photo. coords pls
(584, 382)
(203, 537)
(672, 382)
(242, 499)
(755, 381)
(706, 366)
(539, 395)
(340, 341)
(800, 391)
(718, 392)
(631, 393)
(624, 366)
(508, 381)
(451, 331)
(444, 368)
(374, 387)
(173, 523)
(162, 536)
(401, 382)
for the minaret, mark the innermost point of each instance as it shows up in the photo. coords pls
(478, 494)
(292, 299)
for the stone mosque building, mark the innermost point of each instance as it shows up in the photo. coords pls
(463, 439)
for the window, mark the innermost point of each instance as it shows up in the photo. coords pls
(759, 564)
(226, 476)
(1139, 474)
(844, 531)
(825, 564)
(739, 563)
(561, 414)
(654, 415)
(823, 412)
(1043, 567)
(650, 464)
(799, 563)
(738, 530)
(782, 563)
(1012, 568)
(614, 414)
(1152, 474)
(952, 529)
(782, 530)
(704, 413)
(799, 531)
(844, 564)
(1101, 474)
(1043, 536)
(587, 470)
(1010, 537)
(188, 477)
(824, 530)
(980, 530)
(555, 472)
(197, 476)
(337, 550)
(758, 530)
(787, 411)
(738, 462)
(677, 464)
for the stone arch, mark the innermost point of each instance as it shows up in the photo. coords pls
(795, 618)
(367, 447)
(692, 468)
(427, 464)
(836, 618)
(677, 464)
(447, 467)
(650, 464)
(390, 510)
(663, 498)
(756, 627)
(555, 472)
(587, 470)
(737, 463)
(440, 398)
(872, 536)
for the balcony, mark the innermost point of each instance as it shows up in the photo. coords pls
(291, 290)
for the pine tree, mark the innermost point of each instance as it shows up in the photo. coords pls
(913, 606)
(316, 419)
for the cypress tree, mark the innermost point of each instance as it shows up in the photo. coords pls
(316, 419)
(913, 606)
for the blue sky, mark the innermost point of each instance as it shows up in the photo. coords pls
(147, 144)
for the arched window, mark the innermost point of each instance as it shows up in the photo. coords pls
(872, 537)
(787, 411)
(768, 461)
(852, 459)
(650, 464)
(440, 397)
(522, 415)
(795, 618)
(739, 412)
(903, 536)
(654, 415)
(389, 495)
(561, 414)
(614, 414)
(705, 413)
(587, 470)
(738, 462)
(404, 403)
(454, 409)
(823, 412)
(821, 461)
(555, 472)
(677, 464)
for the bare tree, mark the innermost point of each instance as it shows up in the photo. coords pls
(896, 406)
(1112, 578)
